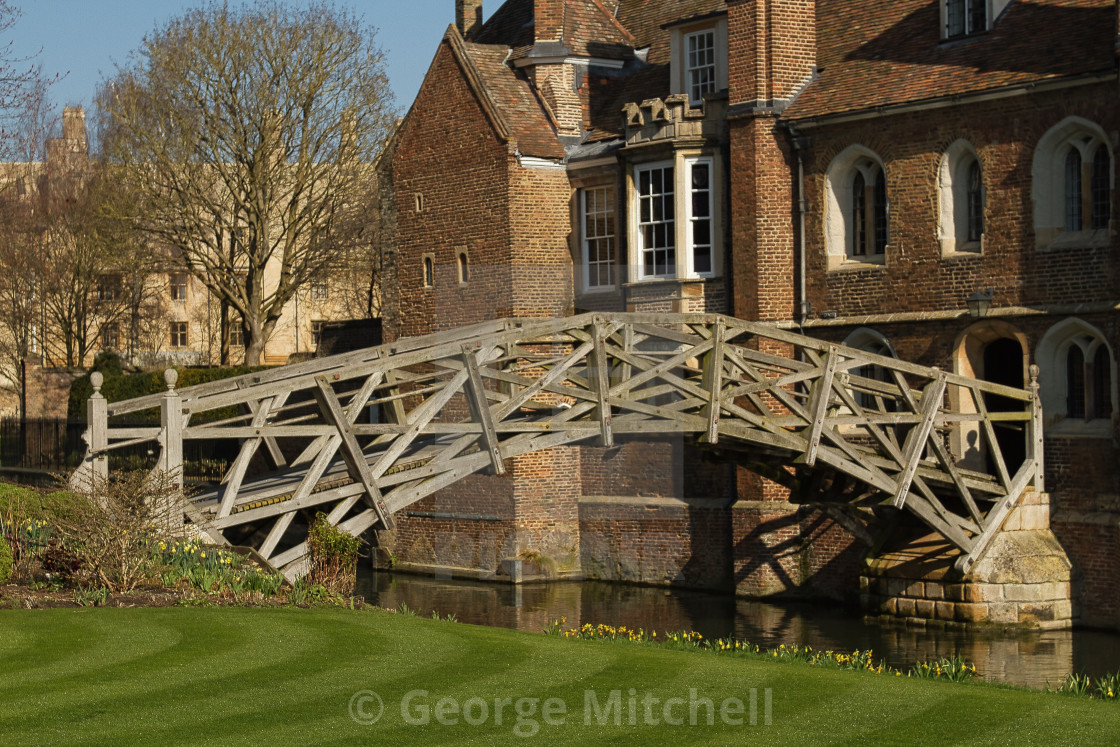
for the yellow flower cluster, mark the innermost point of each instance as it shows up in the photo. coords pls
(600, 632)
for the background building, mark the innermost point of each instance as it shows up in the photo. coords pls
(857, 170)
(138, 303)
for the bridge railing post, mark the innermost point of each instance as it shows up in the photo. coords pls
(95, 464)
(171, 430)
(1036, 445)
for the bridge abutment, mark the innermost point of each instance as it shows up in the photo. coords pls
(1022, 580)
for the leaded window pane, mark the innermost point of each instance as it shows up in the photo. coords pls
(975, 203)
(1100, 188)
(1075, 382)
(1073, 190)
(1102, 383)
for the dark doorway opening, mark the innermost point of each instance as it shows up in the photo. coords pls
(1003, 364)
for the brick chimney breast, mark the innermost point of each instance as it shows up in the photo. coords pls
(468, 17)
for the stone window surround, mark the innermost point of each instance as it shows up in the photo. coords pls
(177, 281)
(699, 71)
(869, 341)
(1048, 184)
(428, 270)
(463, 265)
(681, 161)
(179, 333)
(953, 196)
(1051, 353)
(838, 209)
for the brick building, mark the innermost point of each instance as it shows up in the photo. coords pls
(855, 170)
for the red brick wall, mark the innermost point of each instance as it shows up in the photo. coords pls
(48, 391)
(540, 223)
(657, 541)
(784, 550)
(447, 152)
(1004, 134)
(762, 221)
(773, 47)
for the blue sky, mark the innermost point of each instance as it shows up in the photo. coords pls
(87, 37)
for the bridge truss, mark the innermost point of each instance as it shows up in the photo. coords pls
(859, 433)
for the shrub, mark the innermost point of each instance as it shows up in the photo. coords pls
(119, 524)
(334, 556)
(5, 561)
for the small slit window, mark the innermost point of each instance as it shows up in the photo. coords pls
(464, 268)
(429, 272)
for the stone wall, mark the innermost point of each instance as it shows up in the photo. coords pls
(1023, 579)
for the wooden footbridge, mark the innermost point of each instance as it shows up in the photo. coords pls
(360, 436)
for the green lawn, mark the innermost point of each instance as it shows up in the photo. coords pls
(285, 676)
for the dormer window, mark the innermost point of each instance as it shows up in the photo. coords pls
(963, 17)
(699, 58)
(700, 64)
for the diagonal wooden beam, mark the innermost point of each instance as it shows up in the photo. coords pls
(276, 534)
(351, 450)
(236, 474)
(274, 450)
(480, 409)
(917, 438)
(353, 410)
(818, 407)
(713, 380)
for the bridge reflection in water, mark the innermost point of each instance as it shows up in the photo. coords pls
(1027, 658)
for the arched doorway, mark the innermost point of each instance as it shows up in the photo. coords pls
(995, 351)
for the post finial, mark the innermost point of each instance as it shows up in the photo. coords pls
(1033, 370)
(171, 376)
(96, 379)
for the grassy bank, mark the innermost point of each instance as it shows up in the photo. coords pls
(253, 675)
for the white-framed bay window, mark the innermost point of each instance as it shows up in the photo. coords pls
(676, 218)
(599, 237)
(657, 219)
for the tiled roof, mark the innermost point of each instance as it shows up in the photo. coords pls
(589, 29)
(516, 103)
(607, 29)
(874, 53)
(644, 19)
(511, 25)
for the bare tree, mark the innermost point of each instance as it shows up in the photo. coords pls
(23, 99)
(246, 134)
(26, 120)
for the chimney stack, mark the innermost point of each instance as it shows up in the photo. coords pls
(468, 17)
(548, 20)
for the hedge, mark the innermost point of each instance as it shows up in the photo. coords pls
(120, 386)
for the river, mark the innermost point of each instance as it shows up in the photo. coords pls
(1031, 659)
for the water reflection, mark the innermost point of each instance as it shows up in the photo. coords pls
(1032, 659)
